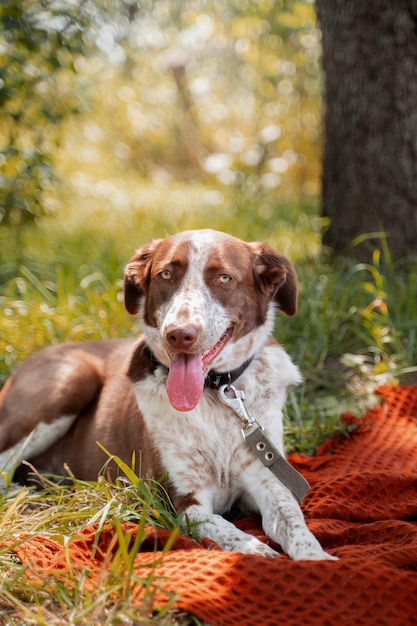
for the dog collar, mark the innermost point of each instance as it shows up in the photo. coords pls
(213, 379)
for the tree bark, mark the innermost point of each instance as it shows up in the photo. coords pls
(370, 153)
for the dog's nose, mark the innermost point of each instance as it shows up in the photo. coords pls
(181, 338)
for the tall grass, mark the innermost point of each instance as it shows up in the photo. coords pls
(355, 330)
(69, 597)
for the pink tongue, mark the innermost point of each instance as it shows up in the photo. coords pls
(185, 381)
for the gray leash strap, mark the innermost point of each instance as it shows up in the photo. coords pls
(258, 440)
(274, 461)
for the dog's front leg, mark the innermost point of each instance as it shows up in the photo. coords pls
(224, 533)
(282, 518)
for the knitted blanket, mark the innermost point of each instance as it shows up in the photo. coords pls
(362, 507)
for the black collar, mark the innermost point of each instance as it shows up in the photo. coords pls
(213, 379)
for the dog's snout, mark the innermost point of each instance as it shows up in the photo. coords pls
(181, 338)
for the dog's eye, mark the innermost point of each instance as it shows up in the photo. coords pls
(165, 274)
(224, 278)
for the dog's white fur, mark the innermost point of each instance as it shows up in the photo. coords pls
(209, 465)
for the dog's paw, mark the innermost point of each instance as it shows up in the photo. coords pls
(304, 546)
(315, 554)
(254, 546)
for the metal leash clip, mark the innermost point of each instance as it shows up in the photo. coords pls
(235, 402)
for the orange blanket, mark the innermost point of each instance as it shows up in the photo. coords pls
(362, 507)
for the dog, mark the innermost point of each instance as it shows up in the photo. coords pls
(207, 303)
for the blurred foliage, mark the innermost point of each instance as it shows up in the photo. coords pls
(223, 92)
(227, 90)
(38, 44)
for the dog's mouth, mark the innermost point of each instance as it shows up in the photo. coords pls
(185, 382)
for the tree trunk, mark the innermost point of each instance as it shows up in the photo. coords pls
(370, 154)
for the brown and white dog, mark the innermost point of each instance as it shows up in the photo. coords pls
(207, 305)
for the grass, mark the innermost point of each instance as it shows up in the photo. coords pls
(355, 329)
(69, 597)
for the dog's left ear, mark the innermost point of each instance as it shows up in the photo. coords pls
(276, 276)
(137, 274)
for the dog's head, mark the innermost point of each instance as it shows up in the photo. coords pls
(207, 300)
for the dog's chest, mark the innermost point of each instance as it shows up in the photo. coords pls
(202, 449)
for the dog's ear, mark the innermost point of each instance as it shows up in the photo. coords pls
(137, 275)
(276, 277)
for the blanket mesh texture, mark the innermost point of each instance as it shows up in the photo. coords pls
(362, 507)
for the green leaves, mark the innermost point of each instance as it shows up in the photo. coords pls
(39, 42)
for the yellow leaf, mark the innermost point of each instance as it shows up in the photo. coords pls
(380, 368)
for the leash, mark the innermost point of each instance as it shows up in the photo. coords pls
(258, 440)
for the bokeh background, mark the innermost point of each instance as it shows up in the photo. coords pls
(205, 112)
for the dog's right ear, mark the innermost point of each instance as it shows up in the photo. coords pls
(137, 276)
